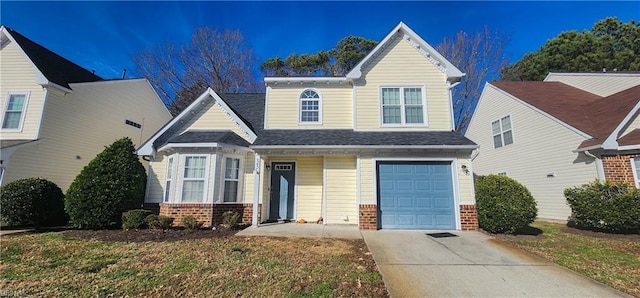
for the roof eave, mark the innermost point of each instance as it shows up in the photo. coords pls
(456, 147)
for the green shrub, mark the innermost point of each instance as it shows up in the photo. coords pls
(32, 201)
(191, 223)
(135, 219)
(504, 205)
(112, 183)
(230, 218)
(160, 222)
(608, 207)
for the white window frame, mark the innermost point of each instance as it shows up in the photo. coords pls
(170, 176)
(22, 112)
(205, 189)
(635, 171)
(301, 99)
(502, 132)
(223, 179)
(403, 117)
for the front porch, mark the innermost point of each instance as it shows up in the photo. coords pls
(312, 230)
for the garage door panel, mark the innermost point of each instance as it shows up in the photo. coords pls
(416, 195)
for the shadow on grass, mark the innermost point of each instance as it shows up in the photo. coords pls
(528, 230)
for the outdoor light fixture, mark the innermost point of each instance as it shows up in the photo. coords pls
(465, 169)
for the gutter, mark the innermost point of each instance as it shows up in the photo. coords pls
(468, 147)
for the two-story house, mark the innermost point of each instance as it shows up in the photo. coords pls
(570, 129)
(57, 116)
(374, 148)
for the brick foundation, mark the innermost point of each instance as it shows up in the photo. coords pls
(468, 218)
(617, 168)
(368, 217)
(208, 214)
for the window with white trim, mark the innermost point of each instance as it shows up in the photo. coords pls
(168, 179)
(232, 174)
(194, 178)
(501, 131)
(310, 107)
(15, 110)
(635, 166)
(403, 105)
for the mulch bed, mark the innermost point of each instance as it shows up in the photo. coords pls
(174, 234)
(629, 237)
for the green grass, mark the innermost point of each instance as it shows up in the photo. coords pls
(614, 261)
(51, 265)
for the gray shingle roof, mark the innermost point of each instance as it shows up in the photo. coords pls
(54, 67)
(250, 107)
(208, 136)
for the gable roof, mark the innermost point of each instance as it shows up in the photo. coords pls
(164, 133)
(601, 118)
(453, 73)
(55, 68)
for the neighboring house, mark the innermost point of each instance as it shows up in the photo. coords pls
(57, 116)
(375, 148)
(570, 129)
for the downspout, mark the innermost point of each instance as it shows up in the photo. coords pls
(599, 165)
(453, 120)
(324, 190)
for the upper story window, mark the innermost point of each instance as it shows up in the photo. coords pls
(501, 130)
(310, 107)
(403, 105)
(15, 110)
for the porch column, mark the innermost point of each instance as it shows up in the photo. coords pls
(256, 190)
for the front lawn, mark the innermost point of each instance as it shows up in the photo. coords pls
(56, 265)
(608, 258)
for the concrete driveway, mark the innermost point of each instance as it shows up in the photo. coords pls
(471, 264)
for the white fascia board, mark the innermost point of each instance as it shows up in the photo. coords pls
(147, 147)
(628, 147)
(566, 125)
(298, 147)
(611, 141)
(203, 145)
(451, 71)
(591, 74)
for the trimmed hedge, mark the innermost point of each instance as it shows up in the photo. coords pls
(135, 219)
(606, 207)
(32, 201)
(112, 183)
(504, 205)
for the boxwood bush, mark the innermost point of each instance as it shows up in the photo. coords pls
(160, 222)
(504, 205)
(135, 219)
(607, 207)
(32, 201)
(112, 183)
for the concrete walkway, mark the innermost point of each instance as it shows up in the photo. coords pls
(470, 265)
(303, 230)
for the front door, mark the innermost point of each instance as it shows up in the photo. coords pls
(282, 190)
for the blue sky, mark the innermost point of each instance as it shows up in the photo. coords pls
(102, 35)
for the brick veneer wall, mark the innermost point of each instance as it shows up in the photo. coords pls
(202, 212)
(617, 168)
(209, 214)
(468, 218)
(368, 217)
(245, 211)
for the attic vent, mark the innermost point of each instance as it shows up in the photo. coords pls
(134, 124)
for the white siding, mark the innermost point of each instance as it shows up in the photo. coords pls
(18, 75)
(156, 175)
(541, 147)
(603, 84)
(401, 64)
(340, 190)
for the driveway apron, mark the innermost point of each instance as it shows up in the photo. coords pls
(470, 264)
